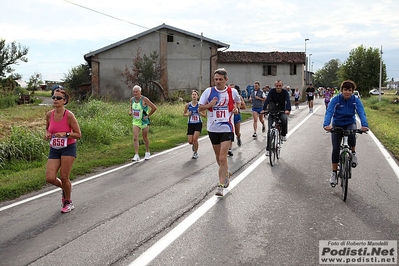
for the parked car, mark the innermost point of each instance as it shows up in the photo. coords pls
(357, 94)
(375, 92)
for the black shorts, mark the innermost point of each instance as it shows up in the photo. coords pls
(191, 128)
(69, 150)
(310, 98)
(218, 137)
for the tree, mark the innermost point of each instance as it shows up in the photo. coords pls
(144, 72)
(363, 67)
(328, 75)
(77, 77)
(10, 54)
(34, 81)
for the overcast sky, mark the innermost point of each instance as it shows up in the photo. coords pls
(59, 32)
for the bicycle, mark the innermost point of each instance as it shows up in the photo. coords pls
(274, 140)
(345, 164)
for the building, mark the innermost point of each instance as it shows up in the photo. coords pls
(187, 61)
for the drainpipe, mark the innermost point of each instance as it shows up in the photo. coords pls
(210, 65)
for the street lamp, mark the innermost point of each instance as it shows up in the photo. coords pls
(306, 64)
(309, 75)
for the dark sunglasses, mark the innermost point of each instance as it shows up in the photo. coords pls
(57, 97)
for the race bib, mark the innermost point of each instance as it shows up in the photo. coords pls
(194, 118)
(221, 114)
(310, 94)
(136, 114)
(58, 143)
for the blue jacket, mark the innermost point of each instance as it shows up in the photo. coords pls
(343, 111)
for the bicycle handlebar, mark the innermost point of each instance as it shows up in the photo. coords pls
(346, 132)
(273, 113)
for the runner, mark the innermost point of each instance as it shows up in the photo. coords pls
(194, 123)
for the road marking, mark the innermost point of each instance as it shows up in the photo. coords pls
(176, 232)
(90, 178)
(385, 153)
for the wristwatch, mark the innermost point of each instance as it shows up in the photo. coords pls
(67, 134)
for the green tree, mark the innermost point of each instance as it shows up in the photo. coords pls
(34, 81)
(363, 67)
(328, 75)
(10, 54)
(76, 77)
(144, 72)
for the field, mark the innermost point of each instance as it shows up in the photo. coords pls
(107, 137)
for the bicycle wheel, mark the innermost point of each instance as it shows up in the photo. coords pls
(345, 171)
(272, 147)
(278, 144)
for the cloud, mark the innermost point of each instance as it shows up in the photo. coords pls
(59, 33)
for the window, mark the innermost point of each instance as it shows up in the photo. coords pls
(170, 37)
(292, 69)
(269, 70)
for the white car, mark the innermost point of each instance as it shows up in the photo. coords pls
(357, 94)
(375, 92)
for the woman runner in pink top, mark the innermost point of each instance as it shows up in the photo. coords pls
(62, 130)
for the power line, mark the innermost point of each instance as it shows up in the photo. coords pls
(95, 11)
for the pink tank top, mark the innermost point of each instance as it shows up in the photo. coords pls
(61, 126)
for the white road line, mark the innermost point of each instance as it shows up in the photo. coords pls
(88, 179)
(176, 232)
(385, 153)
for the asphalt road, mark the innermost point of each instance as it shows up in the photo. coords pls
(164, 212)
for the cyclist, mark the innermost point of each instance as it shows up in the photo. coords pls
(281, 100)
(342, 110)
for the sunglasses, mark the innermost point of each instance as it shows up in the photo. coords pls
(57, 97)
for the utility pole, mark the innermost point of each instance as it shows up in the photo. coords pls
(306, 64)
(200, 76)
(379, 96)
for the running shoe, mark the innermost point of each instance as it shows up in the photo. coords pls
(239, 142)
(230, 152)
(136, 158)
(68, 206)
(263, 129)
(219, 192)
(283, 138)
(254, 135)
(147, 155)
(227, 180)
(354, 160)
(333, 179)
(195, 155)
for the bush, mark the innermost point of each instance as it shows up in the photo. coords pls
(8, 101)
(23, 145)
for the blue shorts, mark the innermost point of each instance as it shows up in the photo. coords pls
(237, 118)
(258, 110)
(69, 150)
(218, 137)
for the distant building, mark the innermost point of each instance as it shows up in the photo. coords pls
(21, 83)
(188, 61)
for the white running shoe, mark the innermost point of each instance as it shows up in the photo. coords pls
(354, 160)
(219, 191)
(333, 179)
(195, 155)
(147, 155)
(136, 158)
